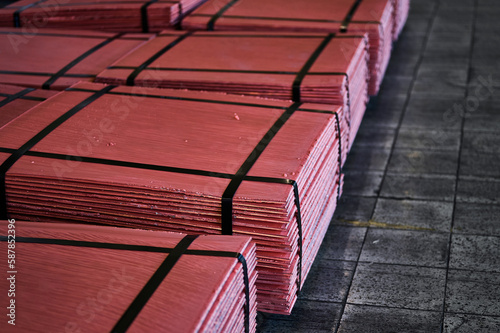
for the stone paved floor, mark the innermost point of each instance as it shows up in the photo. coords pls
(415, 245)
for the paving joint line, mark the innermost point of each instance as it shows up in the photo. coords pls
(467, 87)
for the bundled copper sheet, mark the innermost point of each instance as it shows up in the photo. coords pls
(183, 161)
(104, 15)
(56, 59)
(77, 278)
(401, 10)
(303, 67)
(374, 17)
(15, 100)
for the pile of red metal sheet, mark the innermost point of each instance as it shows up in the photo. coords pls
(183, 161)
(16, 100)
(105, 15)
(374, 17)
(56, 59)
(77, 278)
(401, 9)
(294, 66)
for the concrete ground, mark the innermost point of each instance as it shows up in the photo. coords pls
(415, 244)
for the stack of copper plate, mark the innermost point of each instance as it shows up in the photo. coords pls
(15, 100)
(374, 17)
(104, 15)
(56, 59)
(183, 161)
(401, 9)
(303, 67)
(77, 278)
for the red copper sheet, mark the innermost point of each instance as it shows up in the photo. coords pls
(89, 283)
(401, 9)
(256, 64)
(104, 15)
(374, 17)
(15, 100)
(62, 57)
(177, 152)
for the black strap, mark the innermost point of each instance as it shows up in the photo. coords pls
(340, 155)
(348, 17)
(154, 282)
(348, 102)
(181, 14)
(203, 100)
(299, 226)
(66, 68)
(155, 249)
(12, 159)
(28, 98)
(243, 34)
(290, 19)
(138, 70)
(125, 164)
(17, 13)
(45, 74)
(144, 15)
(307, 66)
(219, 70)
(17, 95)
(211, 22)
(227, 196)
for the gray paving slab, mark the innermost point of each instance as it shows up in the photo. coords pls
(354, 208)
(435, 114)
(431, 87)
(375, 137)
(415, 161)
(371, 319)
(382, 118)
(446, 120)
(473, 252)
(482, 142)
(477, 163)
(406, 247)
(478, 190)
(362, 183)
(477, 219)
(367, 158)
(403, 68)
(342, 243)
(448, 60)
(408, 47)
(428, 139)
(447, 23)
(465, 323)
(384, 112)
(420, 187)
(328, 281)
(446, 40)
(473, 292)
(281, 326)
(307, 316)
(384, 103)
(412, 214)
(484, 122)
(416, 25)
(486, 45)
(396, 85)
(407, 287)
